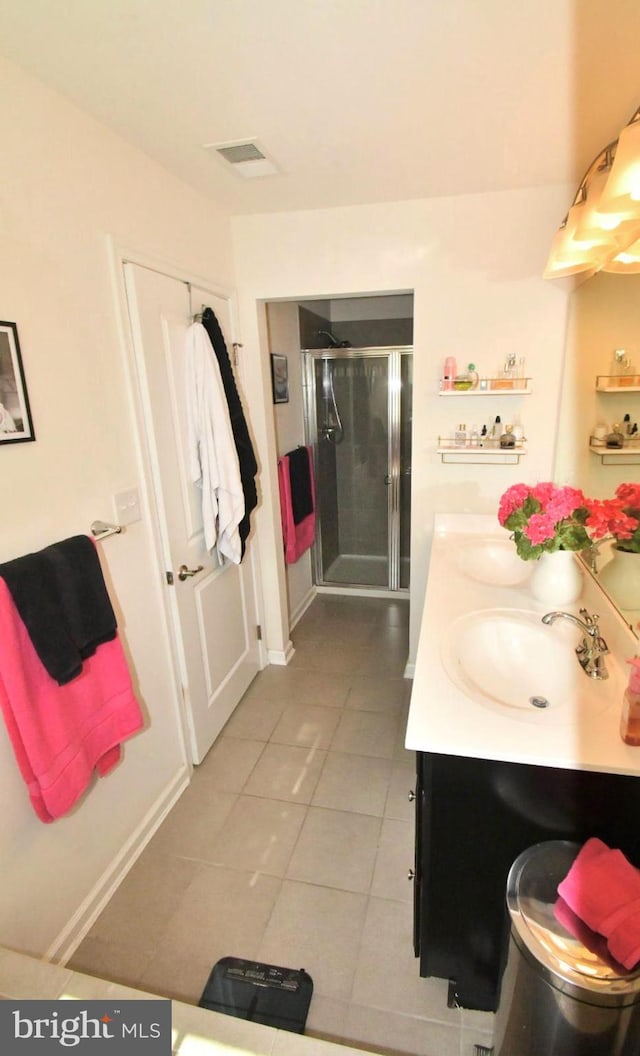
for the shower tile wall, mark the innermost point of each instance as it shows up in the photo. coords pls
(327, 478)
(350, 480)
(309, 323)
(374, 333)
(361, 391)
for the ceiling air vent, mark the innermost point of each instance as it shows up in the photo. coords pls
(245, 157)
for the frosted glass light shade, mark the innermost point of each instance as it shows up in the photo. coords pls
(627, 261)
(589, 226)
(622, 191)
(569, 258)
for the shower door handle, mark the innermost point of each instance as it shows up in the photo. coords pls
(388, 480)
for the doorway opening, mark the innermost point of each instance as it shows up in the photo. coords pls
(357, 419)
(350, 399)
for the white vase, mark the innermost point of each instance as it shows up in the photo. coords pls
(620, 577)
(556, 578)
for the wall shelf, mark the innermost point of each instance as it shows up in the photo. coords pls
(619, 384)
(495, 387)
(609, 456)
(490, 453)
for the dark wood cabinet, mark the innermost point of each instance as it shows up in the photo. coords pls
(473, 818)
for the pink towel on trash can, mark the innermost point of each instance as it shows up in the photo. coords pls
(603, 889)
(62, 735)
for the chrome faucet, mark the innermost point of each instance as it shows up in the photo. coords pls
(592, 648)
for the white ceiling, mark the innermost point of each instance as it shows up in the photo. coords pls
(356, 100)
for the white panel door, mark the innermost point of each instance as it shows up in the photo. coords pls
(214, 605)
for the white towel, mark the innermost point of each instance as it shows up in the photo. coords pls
(212, 455)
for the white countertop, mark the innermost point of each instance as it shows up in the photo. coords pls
(446, 720)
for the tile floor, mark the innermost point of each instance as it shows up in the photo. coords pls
(292, 846)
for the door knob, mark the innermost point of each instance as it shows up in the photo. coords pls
(411, 875)
(185, 573)
(411, 796)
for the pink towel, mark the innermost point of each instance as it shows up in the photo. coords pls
(624, 940)
(590, 939)
(297, 537)
(61, 735)
(603, 889)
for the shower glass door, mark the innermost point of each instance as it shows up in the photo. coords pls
(358, 420)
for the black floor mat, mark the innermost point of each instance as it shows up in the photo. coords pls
(263, 993)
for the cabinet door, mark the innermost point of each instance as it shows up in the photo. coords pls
(477, 816)
(419, 854)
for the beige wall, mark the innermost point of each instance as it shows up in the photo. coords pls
(66, 184)
(284, 338)
(474, 265)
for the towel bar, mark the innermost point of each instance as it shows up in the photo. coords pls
(102, 529)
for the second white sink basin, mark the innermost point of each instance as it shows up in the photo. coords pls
(509, 660)
(495, 561)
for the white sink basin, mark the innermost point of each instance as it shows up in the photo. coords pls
(507, 659)
(491, 560)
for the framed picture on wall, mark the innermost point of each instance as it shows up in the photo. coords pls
(280, 378)
(15, 415)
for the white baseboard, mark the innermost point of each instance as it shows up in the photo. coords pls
(65, 944)
(302, 607)
(281, 657)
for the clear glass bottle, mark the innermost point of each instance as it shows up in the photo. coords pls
(619, 361)
(630, 717)
(460, 436)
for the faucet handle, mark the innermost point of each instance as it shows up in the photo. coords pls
(590, 621)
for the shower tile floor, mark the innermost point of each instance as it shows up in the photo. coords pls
(292, 846)
(366, 570)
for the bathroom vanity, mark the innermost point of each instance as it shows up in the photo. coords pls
(495, 774)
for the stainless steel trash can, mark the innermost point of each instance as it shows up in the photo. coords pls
(561, 995)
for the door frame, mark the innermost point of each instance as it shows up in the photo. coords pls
(139, 416)
(393, 354)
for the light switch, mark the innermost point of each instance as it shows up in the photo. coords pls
(126, 506)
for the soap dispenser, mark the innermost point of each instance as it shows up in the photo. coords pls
(630, 718)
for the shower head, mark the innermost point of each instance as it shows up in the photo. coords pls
(333, 341)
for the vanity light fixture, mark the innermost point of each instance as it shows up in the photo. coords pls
(601, 231)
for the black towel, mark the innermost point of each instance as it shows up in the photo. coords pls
(300, 478)
(246, 457)
(63, 602)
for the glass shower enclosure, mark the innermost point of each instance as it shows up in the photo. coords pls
(358, 421)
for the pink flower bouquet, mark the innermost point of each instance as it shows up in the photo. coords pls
(544, 518)
(618, 518)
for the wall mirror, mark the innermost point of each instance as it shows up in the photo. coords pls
(603, 316)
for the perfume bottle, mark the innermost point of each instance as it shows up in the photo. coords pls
(619, 362)
(450, 371)
(615, 438)
(507, 439)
